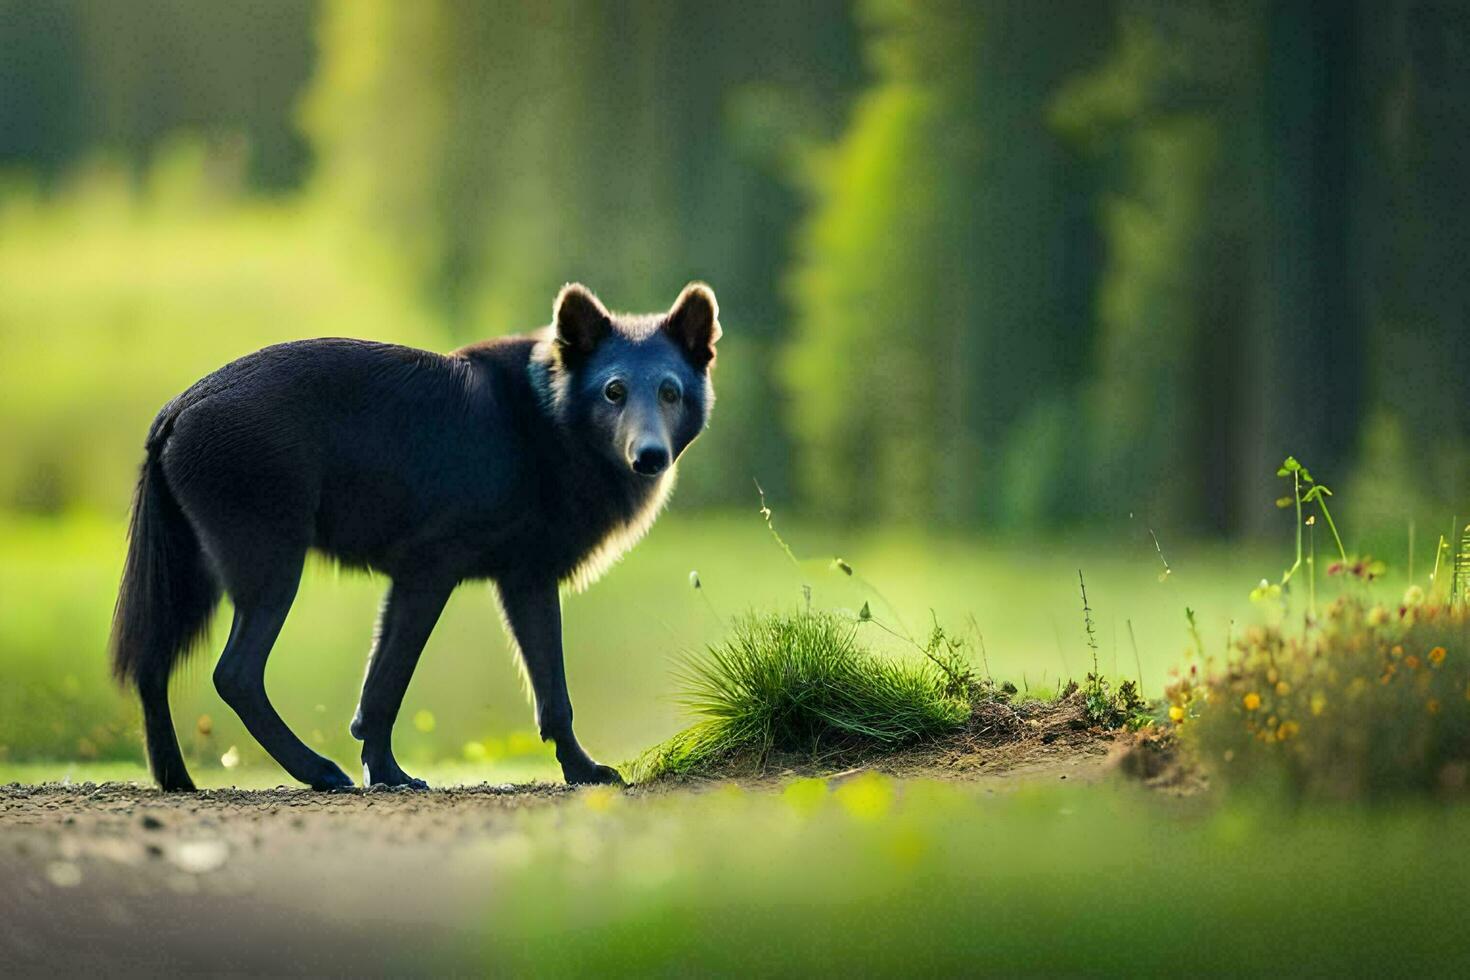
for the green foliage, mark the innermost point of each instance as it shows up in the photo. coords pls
(1161, 162)
(948, 653)
(131, 76)
(1107, 704)
(881, 179)
(803, 683)
(1305, 490)
(1316, 493)
(1010, 275)
(922, 288)
(1111, 705)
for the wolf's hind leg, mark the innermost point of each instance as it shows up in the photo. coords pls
(164, 757)
(240, 679)
(407, 619)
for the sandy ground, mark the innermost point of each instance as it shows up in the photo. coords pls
(118, 878)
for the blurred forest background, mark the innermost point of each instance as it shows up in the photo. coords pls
(994, 264)
(1006, 267)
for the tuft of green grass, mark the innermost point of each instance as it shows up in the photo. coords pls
(804, 683)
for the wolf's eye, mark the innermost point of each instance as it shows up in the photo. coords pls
(615, 391)
(668, 393)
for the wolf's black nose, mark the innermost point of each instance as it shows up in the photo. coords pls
(651, 460)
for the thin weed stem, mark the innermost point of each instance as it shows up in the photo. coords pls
(1434, 575)
(837, 564)
(1137, 660)
(1087, 624)
(1167, 570)
(1296, 492)
(1312, 571)
(765, 513)
(1319, 495)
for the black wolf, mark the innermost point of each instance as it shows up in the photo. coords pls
(530, 461)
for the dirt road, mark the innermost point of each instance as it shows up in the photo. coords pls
(119, 878)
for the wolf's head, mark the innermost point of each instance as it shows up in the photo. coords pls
(637, 388)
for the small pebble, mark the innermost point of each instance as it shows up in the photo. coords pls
(64, 874)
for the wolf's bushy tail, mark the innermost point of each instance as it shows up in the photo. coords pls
(167, 598)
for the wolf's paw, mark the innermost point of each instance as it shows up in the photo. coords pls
(331, 779)
(388, 773)
(593, 774)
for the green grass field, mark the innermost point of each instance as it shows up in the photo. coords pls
(916, 879)
(466, 706)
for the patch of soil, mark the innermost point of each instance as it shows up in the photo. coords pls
(107, 807)
(1155, 759)
(1003, 744)
(120, 879)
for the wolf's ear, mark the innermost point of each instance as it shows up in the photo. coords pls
(581, 320)
(694, 323)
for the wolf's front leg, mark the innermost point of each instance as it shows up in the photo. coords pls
(408, 617)
(533, 613)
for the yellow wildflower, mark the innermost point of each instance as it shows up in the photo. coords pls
(1319, 703)
(1252, 701)
(868, 796)
(1176, 713)
(601, 799)
(1287, 730)
(1436, 656)
(1283, 688)
(1411, 662)
(1398, 650)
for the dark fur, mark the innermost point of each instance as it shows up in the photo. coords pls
(504, 461)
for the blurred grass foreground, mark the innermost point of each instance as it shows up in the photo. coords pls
(914, 878)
